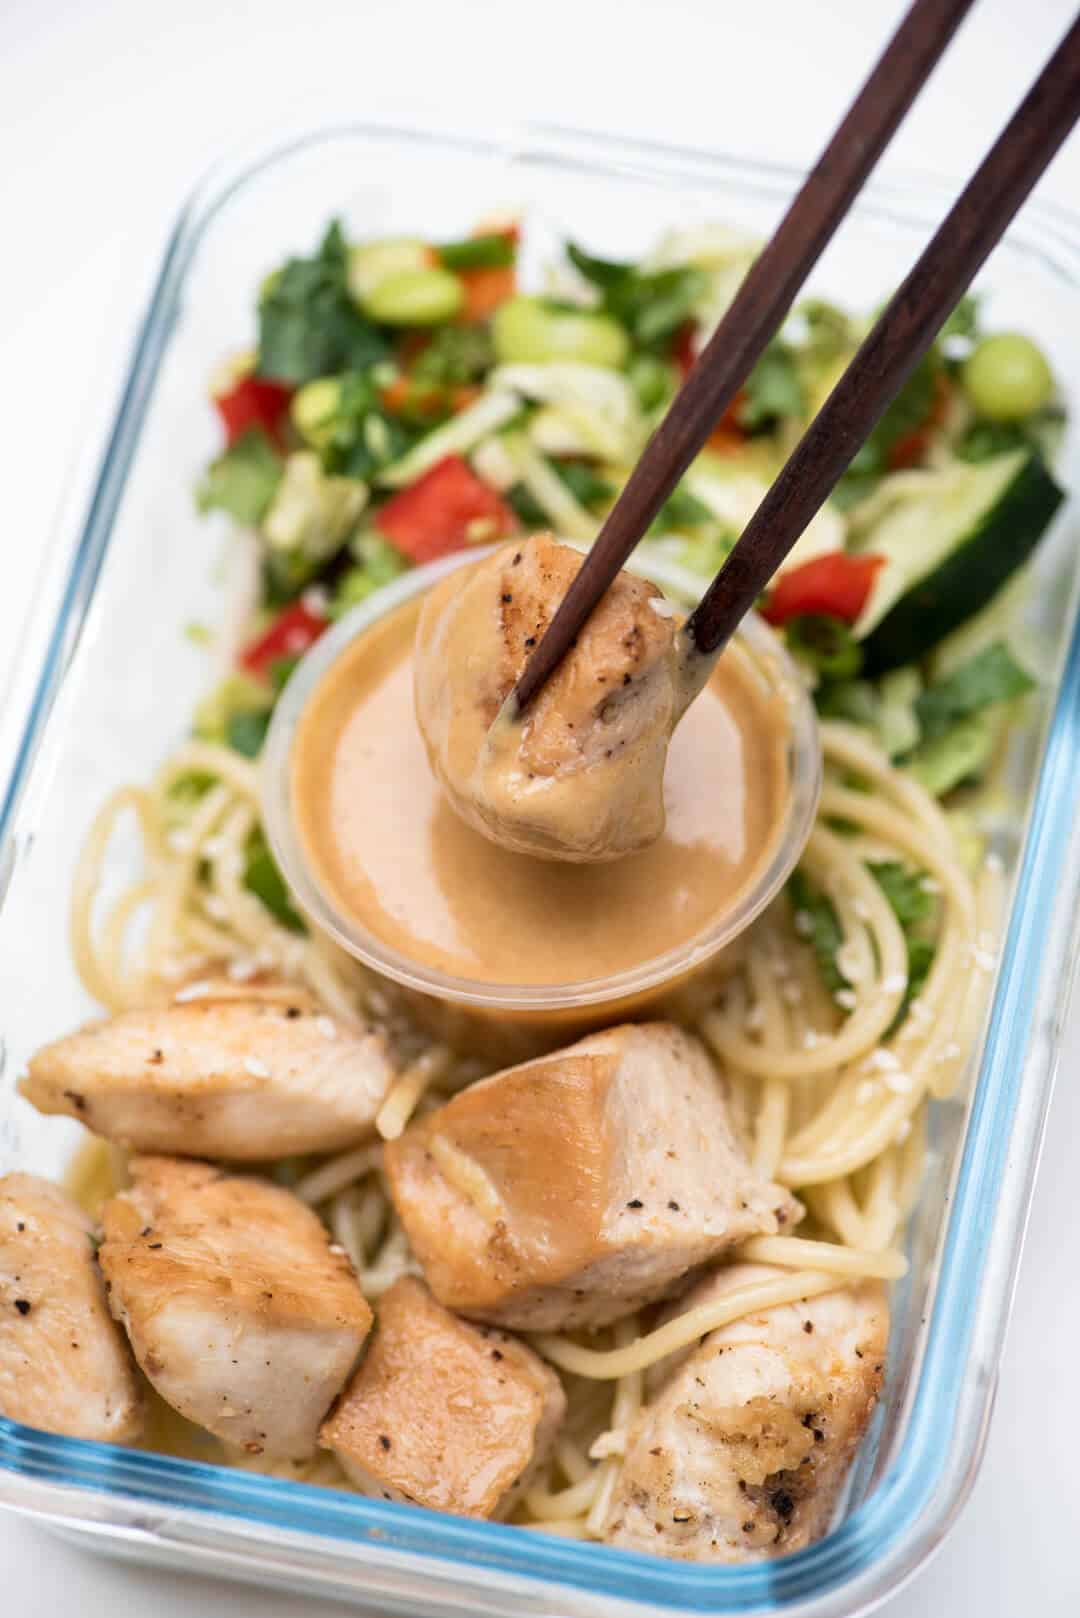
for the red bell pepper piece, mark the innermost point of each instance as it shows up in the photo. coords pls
(443, 511)
(254, 402)
(836, 586)
(291, 633)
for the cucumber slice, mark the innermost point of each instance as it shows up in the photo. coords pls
(948, 550)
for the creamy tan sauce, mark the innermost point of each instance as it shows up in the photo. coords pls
(389, 851)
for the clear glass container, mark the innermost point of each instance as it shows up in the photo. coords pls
(113, 682)
(506, 1020)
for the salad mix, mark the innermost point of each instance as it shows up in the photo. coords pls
(407, 398)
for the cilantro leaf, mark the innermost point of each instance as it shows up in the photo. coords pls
(682, 509)
(309, 326)
(912, 906)
(243, 479)
(905, 891)
(652, 305)
(265, 881)
(991, 676)
(772, 390)
(821, 928)
(246, 732)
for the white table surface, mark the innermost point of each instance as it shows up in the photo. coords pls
(110, 108)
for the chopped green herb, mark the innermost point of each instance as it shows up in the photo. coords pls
(682, 509)
(309, 325)
(912, 906)
(243, 479)
(478, 253)
(905, 890)
(245, 732)
(265, 881)
(816, 921)
(772, 391)
(651, 305)
(198, 634)
(853, 700)
(963, 323)
(991, 676)
(652, 379)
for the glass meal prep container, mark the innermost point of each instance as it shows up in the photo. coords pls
(116, 686)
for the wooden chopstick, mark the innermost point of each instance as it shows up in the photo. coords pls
(759, 308)
(911, 321)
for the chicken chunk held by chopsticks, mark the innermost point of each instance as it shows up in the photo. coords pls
(240, 1073)
(743, 1451)
(239, 1311)
(575, 1188)
(64, 1364)
(581, 775)
(444, 1414)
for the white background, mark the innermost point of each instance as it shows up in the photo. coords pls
(108, 111)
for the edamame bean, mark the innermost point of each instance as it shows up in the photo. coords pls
(313, 409)
(372, 262)
(1007, 377)
(532, 331)
(415, 298)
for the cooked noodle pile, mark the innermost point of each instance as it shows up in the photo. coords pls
(831, 1100)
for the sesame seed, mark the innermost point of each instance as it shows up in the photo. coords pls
(984, 960)
(884, 1060)
(864, 1092)
(902, 1132)
(327, 1027)
(861, 909)
(215, 907)
(804, 923)
(846, 998)
(315, 600)
(180, 841)
(257, 1069)
(995, 864)
(242, 970)
(895, 983)
(792, 993)
(214, 847)
(809, 1040)
(192, 991)
(899, 1083)
(930, 884)
(662, 608)
(755, 1018)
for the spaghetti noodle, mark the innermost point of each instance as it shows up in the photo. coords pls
(831, 1089)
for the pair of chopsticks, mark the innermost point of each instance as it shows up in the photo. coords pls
(885, 360)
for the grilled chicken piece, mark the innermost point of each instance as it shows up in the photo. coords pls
(444, 1414)
(239, 1311)
(64, 1365)
(582, 776)
(230, 1071)
(574, 1188)
(742, 1453)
